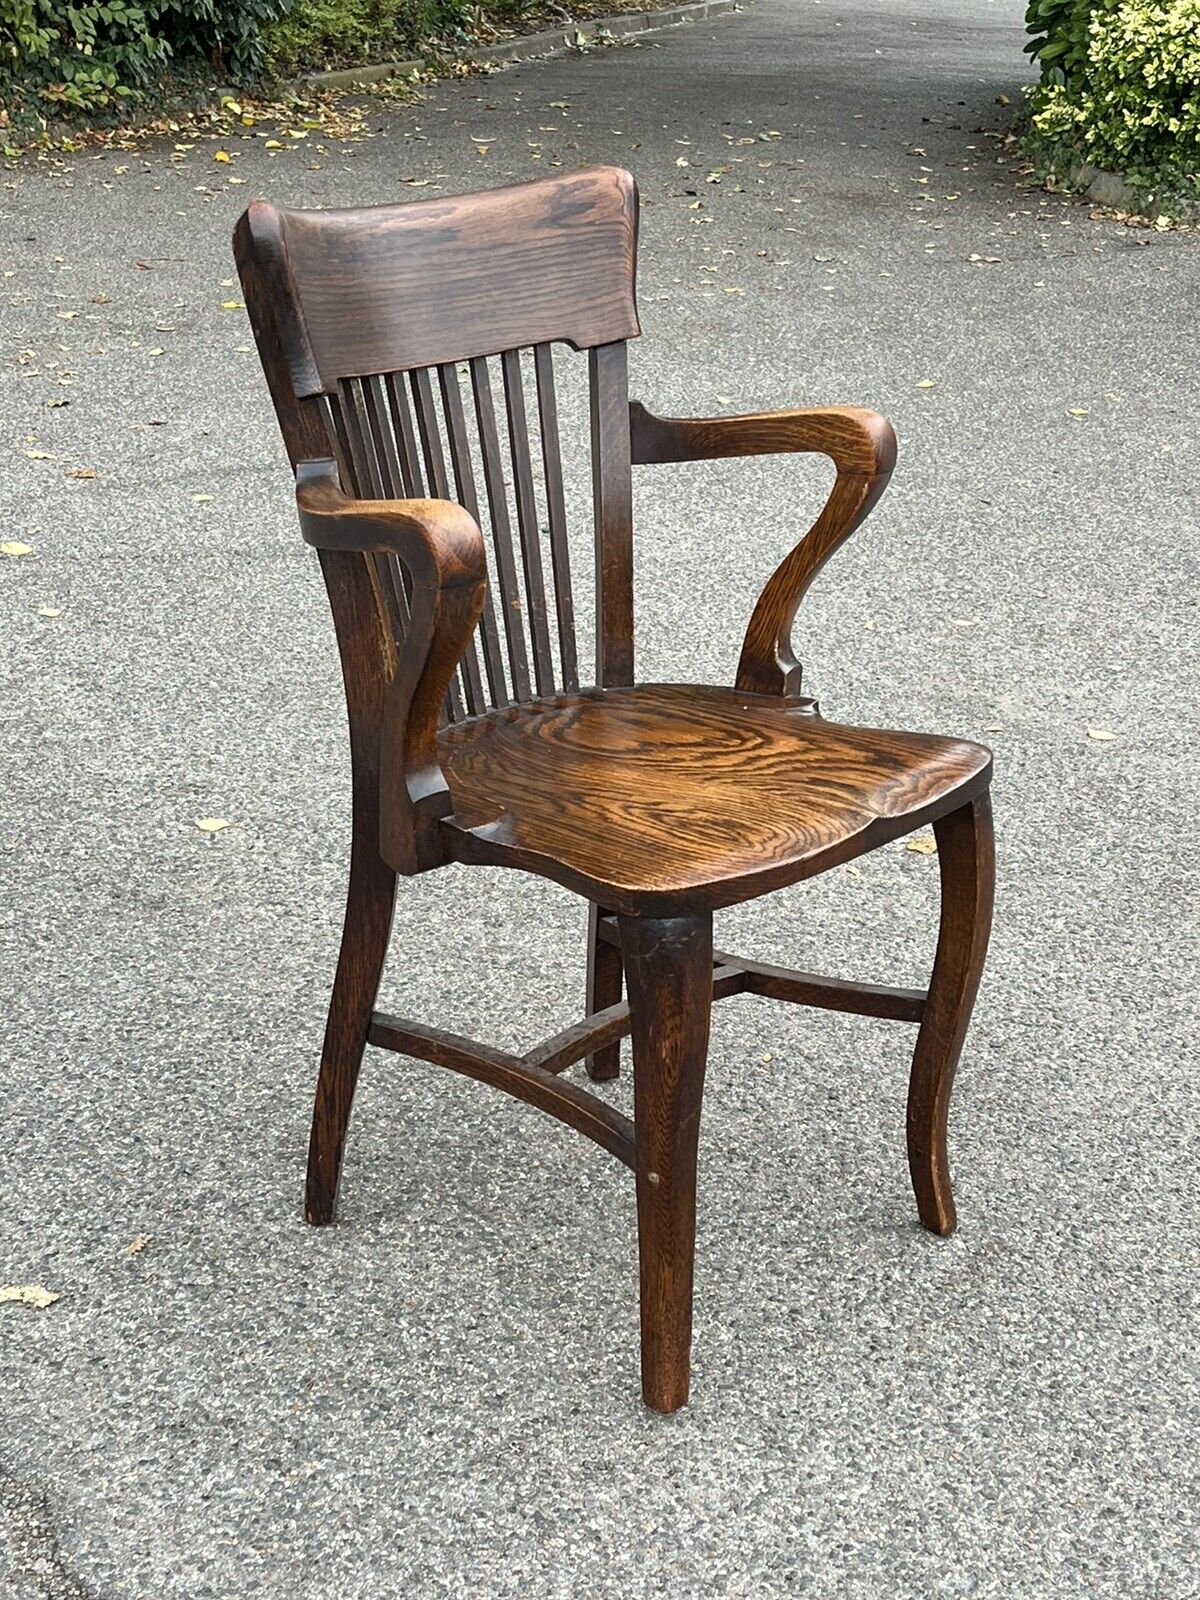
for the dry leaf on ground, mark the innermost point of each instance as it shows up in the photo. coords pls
(922, 845)
(29, 1294)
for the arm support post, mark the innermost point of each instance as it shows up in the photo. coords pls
(442, 549)
(862, 447)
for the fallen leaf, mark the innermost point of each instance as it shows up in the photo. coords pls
(49, 611)
(925, 383)
(211, 824)
(965, 622)
(1079, 411)
(199, 499)
(138, 1245)
(1101, 735)
(14, 547)
(222, 155)
(922, 845)
(29, 1294)
(82, 472)
(39, 455)
(233, 305)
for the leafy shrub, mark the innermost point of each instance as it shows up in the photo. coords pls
(1060, 34)
(321, 33)
(1120, 86)
(89, 55)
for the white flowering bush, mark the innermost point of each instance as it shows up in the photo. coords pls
(1121, 87)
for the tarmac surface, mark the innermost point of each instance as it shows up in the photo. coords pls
(439, 1396)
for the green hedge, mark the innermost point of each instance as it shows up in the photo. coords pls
(331, 33)
(1120, 88)
(84, 57)
(60, 57)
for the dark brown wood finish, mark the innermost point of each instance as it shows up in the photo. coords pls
(668, 967)
(556, 511)
(658, 803)
(604, 985)
(612, 493)
(966, 857)
(669, 798)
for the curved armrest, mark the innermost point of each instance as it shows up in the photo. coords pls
(442, 549)
(861, 445)
(438, 541)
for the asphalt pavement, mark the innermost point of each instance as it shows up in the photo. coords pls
(439, 1396)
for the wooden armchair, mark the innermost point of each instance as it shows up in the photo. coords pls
(471, 737)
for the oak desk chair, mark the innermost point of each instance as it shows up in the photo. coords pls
(658, 803)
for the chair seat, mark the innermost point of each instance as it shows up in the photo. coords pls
(668, 798)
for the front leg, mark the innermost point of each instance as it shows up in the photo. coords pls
(966, 856)
(668, 971)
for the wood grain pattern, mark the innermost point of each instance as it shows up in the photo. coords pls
(966, 857)
(442, 548)
(669, 798)
(668, 967)
(390, 288)
(658, 803)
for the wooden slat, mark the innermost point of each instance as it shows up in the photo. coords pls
(371, 474)
(393, 485)
(406, 439)
(537, 1087)
(506, 571)
(527, 520)
(464, 484)
(439, 486)
(612, 498)
(354, 418)
(431, 438)
(556, 509)
(373, 471)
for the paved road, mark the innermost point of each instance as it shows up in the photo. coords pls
(439, 1397)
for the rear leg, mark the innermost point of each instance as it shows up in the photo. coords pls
(604, 979)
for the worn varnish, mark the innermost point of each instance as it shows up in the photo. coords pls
(410, 353)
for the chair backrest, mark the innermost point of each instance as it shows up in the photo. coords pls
(372, 324)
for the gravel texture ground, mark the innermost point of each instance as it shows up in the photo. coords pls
(439, 1397)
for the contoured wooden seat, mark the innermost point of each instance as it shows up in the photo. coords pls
(658, 799)
(410, 353)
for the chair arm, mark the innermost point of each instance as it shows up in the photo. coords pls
(442, 549)
(438, 541)
(862, 447)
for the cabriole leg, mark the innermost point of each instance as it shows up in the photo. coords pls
(668, 970)
(967, 863)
